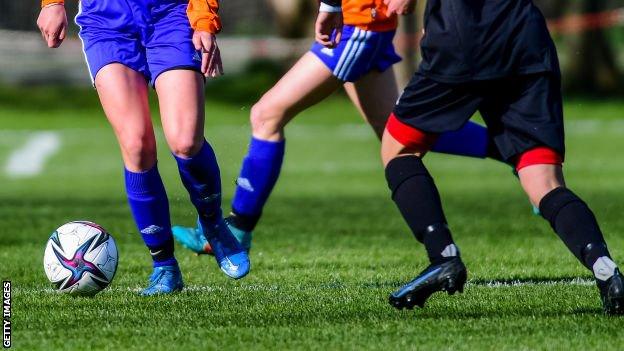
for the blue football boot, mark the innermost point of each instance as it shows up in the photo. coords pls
(192, 239)
(243, 236)
(229, 253)
(164, 280)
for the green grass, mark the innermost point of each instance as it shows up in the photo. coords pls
(329, 250)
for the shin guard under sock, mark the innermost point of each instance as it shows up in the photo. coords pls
(259, 173)
(150, 208)
(202, 179)
(576, 225)
(418, 200)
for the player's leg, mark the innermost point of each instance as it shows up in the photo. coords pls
(435, 107)
(317, 74)
(306, 83)
(415, 194)
(123, 94)
(539, 167)
(181, 99)
(375, 94)
(118, 66)
(180, 88)
(574, 222)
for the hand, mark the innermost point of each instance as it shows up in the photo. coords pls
(328, 23)
(211, 55)
(52, 23)
(400, 7)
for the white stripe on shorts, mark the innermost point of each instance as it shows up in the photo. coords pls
(346, 51)
(358, 52)
(84, 52)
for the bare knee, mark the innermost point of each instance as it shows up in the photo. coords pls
(139, 153)
(267, 121)
(391, 148)
(185, 146)
(539, 180)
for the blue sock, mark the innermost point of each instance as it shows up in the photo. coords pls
(150, 208)
(471, 140)
(202, 179)
(259, 173)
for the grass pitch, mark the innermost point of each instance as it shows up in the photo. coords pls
(329, 250)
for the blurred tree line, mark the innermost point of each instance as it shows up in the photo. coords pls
(592, 58)
(592, 65)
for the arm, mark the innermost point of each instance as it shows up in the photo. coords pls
(329, 23)
(400, 7)
(204, 15)
(204, 18)
(52, 22)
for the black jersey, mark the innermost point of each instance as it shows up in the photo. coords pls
(468, 40)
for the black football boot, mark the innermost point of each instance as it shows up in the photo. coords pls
(449, 276)
(612, 294)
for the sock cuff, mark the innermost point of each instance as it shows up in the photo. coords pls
(403, 168)
(554, 201)
(146, 182)
(259, 148)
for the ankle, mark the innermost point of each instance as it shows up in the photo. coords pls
(246, 223)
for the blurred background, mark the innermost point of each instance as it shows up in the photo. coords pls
(263, 37)
(46, 99)
(330, 234)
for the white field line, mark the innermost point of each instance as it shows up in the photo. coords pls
(350, 131)
(260, 287)
(517, 283)
(29, 159)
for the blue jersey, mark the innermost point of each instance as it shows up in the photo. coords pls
(150, 37)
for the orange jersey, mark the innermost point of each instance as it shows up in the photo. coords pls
(368, 15)
(202, 14)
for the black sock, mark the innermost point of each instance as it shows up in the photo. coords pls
(439, 243)
(417, 197)
(575, 224)
(163, 254)
(243, 222)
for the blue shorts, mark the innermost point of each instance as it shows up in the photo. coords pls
(150, 37)
(358, 53)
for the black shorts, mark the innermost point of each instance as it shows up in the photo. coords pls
(521, 113)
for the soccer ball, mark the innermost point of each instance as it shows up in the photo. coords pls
(80, 258)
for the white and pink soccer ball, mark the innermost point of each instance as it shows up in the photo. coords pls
(80, 258)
